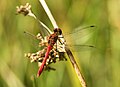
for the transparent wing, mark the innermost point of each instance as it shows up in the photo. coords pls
(32, 40)
(79, 39)
(44, 30)
(78, 48)
(80, 35)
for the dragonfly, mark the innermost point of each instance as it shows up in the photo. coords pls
(56, 42)
(52, 40)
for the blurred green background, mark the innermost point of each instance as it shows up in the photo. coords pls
(100, 67)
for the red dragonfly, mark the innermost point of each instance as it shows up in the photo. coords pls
(51, 41)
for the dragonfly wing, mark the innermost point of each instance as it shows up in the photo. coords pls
(80, 35)
(78, 48)
(32, 41)
(44, 30)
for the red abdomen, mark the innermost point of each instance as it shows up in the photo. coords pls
(44, 61)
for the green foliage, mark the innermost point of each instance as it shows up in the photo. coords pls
(100, 66)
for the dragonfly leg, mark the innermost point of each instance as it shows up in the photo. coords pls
(62, 56)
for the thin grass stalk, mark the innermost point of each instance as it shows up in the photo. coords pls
(48, 12)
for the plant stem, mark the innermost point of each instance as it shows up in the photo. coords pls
(43, 3)
(75, 66)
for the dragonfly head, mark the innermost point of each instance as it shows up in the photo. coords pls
(58, 30)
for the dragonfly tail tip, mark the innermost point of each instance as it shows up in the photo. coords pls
(24, 32)
(92, 26)
(38, 75)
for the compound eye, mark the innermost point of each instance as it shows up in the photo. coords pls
(55, 30)
(60, 31)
